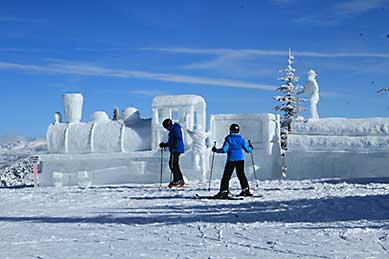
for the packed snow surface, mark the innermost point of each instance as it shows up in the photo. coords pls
(294, 219)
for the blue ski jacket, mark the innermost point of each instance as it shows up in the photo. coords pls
(233, 145)
(175, 142)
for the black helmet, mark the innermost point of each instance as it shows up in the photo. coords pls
(234, 128)
(167, 123)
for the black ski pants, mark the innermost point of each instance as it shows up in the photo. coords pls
(228, 170)
(175, 166)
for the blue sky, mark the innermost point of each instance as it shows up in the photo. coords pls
(122, 53)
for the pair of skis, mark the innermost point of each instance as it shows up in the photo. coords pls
(234, 198)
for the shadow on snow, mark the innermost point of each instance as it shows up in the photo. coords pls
(333, 209)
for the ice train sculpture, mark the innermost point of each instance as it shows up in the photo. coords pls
(126, 150)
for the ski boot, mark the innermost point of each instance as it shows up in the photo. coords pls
(245, 192)
(178, 184)
(221, 195)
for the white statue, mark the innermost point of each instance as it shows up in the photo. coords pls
(311, 90)
(199, 148)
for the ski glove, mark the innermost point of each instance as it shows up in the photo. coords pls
(163, 145)
(213, 149)
(251, 146)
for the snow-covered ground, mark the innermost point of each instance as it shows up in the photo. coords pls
(294, 219)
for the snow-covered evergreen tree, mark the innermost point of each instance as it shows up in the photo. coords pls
(115, 114)
(383, 90)
(288, 105)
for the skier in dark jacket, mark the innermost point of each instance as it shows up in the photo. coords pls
(233, 145)
(176, 148)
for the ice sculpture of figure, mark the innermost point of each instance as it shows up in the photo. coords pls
(311, 90)
(199, 148)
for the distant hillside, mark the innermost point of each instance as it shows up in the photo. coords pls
(15, 167)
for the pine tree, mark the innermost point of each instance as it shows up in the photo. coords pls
(288, 106)
(115, 114)
(383, 90)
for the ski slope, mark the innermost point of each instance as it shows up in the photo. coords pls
(294, 219)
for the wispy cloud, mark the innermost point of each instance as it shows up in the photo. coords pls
(359, 6)
(24, 50)
(333, 14)
(90, 70)
(315, 19)
(218, 52)
(333, 94)
(10, 19)
(151, 93)
(101, 49)
(258, 52)
(14, 19)
(281, 2)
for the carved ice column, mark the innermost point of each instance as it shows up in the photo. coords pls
(73, 107)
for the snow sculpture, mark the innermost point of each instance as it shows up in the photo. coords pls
(57, 118)
(99, 116)
(84, 179)
(101, 135)
(130, 115)
(199, 136)
(58, 179)
(187, 110)
(261, 129)
(127, 150)
(73, 107)
(311, 90)
(339, 147)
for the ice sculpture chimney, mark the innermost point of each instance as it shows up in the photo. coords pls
(73, 107)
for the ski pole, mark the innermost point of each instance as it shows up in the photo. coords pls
(171, 166)
(252, 161)
(160, 179)
(210, 175)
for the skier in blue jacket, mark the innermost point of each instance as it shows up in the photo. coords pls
(176, 148)
(233, 145)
